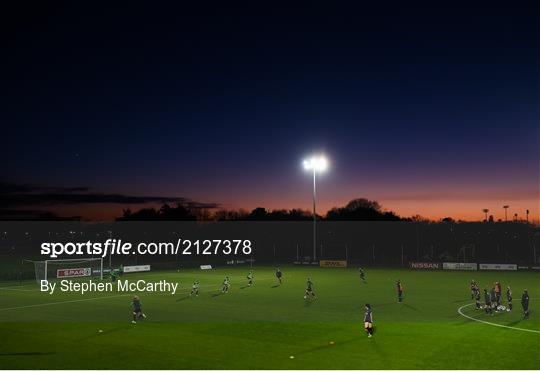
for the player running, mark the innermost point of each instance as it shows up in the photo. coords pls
(362, 274)
(226, 285)
(399, 287)
(525, 303)
(137, 310)
(309, 294)
(509, 298)
(368, 321)
(195, 289)
(279, 274)
(250, 278)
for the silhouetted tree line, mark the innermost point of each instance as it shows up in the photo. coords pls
(357, 209)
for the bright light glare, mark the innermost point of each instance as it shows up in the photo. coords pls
(318, 163)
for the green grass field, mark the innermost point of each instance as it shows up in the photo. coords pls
(264, 325)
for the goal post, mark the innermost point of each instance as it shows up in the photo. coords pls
(67, 268)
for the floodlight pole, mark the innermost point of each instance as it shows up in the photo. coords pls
(314, 215)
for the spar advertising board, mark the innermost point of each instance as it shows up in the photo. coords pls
(498, 267)
(460, 266)
(73, 272)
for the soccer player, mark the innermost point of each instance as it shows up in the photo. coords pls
(487, 299)
(250, 278)
(474, 288)
(309, 294)
(226, 285)
(399, 287)
(509, 298)
(525, 303)
(368, 321)
(477, 298)
(279, 275)
(498, 292)
(362, 274)
(493, 298)
(195, 289)
(137, 309)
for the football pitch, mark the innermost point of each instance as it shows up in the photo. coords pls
(268, 326)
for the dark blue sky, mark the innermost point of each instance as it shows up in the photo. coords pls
(429, 110)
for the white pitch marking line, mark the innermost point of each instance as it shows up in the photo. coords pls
(62, 302)
(491, 323)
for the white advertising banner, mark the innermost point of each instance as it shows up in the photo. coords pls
(460, 266)
(205, 267)
(498, 267)
(136, 268)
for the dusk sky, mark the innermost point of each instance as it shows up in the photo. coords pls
(429, 111)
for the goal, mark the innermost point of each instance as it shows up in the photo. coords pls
(67, 268)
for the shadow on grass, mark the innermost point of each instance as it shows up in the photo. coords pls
(511, 324)
(383, 304)
(183, 298)
(27, 354)
(410, 307)
(216, 295)
(273, 287)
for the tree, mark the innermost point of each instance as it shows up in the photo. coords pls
(361, 209)
(486, 211)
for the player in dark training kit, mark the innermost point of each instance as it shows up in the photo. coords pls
(279, 275)
(493, 298)
(368, 321)
(362, 274)
(399, 287)
(477, 298)
(309, 294)
(487, 299)
(474, 289)
(509, 298)
(137, 309)
(525, 303)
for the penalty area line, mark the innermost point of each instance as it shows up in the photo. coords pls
(460, 311)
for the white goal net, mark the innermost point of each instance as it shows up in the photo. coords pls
(67, 268)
